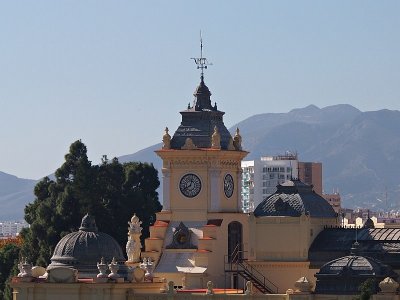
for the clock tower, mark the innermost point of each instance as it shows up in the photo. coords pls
(202, 220)
(201, 162)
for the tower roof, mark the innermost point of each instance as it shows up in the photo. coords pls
(202, 119)
(203, 97)
(199, 120)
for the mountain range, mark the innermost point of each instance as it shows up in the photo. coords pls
(359, 152)
(15, 193)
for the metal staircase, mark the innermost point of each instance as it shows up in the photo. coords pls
(237, 264)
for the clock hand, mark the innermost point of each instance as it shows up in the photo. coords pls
(188, 185)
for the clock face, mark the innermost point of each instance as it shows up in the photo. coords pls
(228, 185)
(190, 185)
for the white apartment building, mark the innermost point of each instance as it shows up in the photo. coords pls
(11, 228)
(260, 177)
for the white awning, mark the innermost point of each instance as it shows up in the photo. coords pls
(173, 262)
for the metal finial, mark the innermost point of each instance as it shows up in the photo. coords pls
(201, 61)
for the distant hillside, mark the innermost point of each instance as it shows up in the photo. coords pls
(144, 155)
(15, 193)
(359, 150)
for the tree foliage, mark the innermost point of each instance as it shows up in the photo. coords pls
(8, 261)
(111, 192)
(367, 289)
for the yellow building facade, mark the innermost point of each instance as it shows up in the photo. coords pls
(201, 236)
(204, 153)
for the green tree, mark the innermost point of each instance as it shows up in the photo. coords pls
(141, 184)
(8, 267)
(367, 289)
(111, 192)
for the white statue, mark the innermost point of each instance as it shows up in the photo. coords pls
(21, 270)
(113, 267)
(102, 267)
(216, 139)
(25, 269)
(249, 288)
(133, 245)
(210, 288)
(143, 265)
(149, 269)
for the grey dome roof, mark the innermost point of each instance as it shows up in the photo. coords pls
(84, 248)
(198, 122)
(345, 274)
(292, 199)
(380, 243)
(369, 223)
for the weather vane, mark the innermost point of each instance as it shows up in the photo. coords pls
(201, 61)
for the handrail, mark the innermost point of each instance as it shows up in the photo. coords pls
(259, 276)
(236, 260)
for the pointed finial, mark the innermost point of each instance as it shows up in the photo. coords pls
(355, 248)
(237, 140)
(216, 139)
(201, 61)
(88, 223)
(166, 139)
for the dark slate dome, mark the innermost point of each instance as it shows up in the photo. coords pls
(83, 249)
(198, 122)
(292, 199)
(344, 275)
(369, 223)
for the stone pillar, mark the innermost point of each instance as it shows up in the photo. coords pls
(215, 192)
(166, 189)
(238, 186)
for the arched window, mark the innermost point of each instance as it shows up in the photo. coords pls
(235, 240)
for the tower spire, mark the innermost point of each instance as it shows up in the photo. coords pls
(201, 61)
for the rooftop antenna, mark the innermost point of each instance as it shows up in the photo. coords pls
(201, 61)
(355, 247)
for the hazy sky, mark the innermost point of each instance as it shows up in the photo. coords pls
(115, 73)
